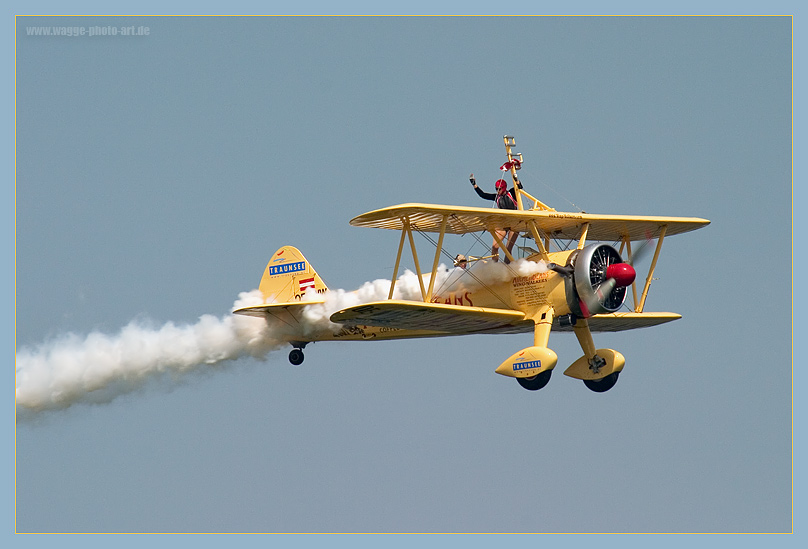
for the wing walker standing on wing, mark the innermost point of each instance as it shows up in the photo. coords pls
(503, 198)
(579, 287)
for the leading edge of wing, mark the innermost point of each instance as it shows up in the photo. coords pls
(463, 219)
(416, 315)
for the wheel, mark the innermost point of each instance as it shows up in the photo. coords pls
(296, 357)
(536, 382)
(602, 385)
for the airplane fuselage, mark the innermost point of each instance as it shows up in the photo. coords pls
(527, 293)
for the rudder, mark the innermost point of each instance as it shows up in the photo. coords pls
(288, 276)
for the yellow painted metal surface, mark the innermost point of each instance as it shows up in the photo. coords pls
(650, 277)
(288, 276)
(436, 317)
(618, 322)
(543, 324)
(262, 311)
(580, 369)
(512, 306)
(462, 219)
(528, 362)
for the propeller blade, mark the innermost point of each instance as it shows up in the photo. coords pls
(641, 251)
(605, 289)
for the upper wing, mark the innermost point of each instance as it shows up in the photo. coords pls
(415, 315)
(461, 220)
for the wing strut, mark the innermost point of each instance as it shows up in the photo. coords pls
(438, 249)
(534, 229)
(651, 269)
(406, 231)
(502, 246)
(584, 233)
(415, 257)
(627, 244)
(398, 263)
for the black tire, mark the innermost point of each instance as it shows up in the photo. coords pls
(602, 385)
(536, 382)
(296, 357)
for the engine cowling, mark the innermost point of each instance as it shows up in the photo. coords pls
(599, 280)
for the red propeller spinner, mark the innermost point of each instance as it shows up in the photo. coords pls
(622, 273)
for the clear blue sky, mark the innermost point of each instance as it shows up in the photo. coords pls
(156, 174)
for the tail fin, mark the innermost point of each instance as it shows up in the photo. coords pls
(288, 277)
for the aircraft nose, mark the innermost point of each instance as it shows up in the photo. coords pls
(623, 273)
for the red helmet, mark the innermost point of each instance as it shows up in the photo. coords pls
(500, 184)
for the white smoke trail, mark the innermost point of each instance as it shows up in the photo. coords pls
(98, 368)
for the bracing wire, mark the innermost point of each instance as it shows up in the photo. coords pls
(469, 272)
(465, 272)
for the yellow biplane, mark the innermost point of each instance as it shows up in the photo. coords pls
(579, 287)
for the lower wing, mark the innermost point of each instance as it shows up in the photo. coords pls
(618, 322)
(416, 315)
(456, 319)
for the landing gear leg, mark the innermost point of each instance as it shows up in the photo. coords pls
(543, 323)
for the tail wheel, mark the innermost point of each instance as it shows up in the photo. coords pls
(536, 382)
(296, 357)
(602, 385)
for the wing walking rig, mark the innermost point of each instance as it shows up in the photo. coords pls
(579, 287)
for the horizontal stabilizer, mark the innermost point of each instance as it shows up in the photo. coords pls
(416, 315)
(263, 310)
